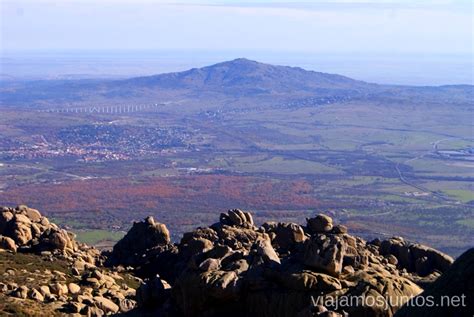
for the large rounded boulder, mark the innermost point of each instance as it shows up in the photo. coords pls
(142, 237)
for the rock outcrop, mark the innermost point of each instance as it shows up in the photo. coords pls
(319, 224)
(31, 231)
(90, 291)
(140, 241)
(415, 257)
(234, 268)
(23, 229)
(325, 252)
(231, 268)
(452, 294)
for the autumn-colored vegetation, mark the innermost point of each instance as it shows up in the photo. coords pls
(187, 193)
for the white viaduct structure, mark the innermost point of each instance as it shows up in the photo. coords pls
(117, 109)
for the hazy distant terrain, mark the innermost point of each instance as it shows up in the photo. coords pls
(283, 141)
(387, 68)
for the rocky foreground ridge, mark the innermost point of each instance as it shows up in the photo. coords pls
(231, 268)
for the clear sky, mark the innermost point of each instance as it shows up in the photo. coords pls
(307, 26)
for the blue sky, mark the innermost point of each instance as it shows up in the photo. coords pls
(441, 27)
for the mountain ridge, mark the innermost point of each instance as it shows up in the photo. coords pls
(240, 80)
(245, 72)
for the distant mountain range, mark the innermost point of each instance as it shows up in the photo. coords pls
(239, 78)
(242, 73)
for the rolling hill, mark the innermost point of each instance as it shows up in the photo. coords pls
(237, 78)
(240, 81)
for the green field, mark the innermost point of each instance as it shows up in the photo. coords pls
(93, 237)
(463, 195)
